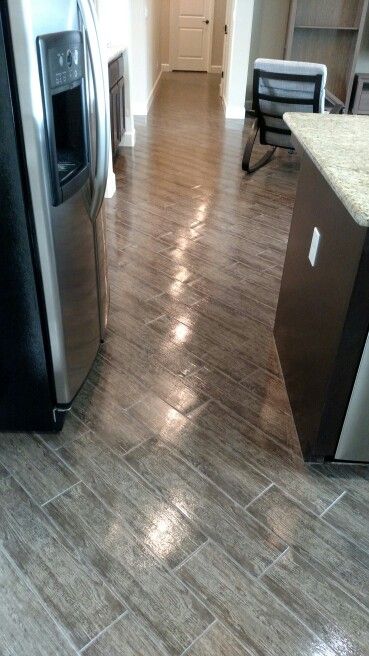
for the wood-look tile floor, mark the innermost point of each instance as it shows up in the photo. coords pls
(174, 514)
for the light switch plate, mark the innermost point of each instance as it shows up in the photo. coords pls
(314, 246)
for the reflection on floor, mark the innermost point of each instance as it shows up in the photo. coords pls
(174, 515)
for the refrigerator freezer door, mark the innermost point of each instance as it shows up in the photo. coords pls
(99, 142)
(66, 237)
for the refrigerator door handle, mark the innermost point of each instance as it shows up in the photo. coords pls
(89, 17)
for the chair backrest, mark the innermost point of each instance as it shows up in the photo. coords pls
(285, 86)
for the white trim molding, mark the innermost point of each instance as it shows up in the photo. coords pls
(165, 68)
(233, 111)
(142, 109)
(215, 68)
(111, 185)
(129, 139)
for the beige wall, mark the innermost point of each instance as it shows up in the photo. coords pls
(146, 55)
(164, 31)
(269, 27)
(218, 31)
(153, 42)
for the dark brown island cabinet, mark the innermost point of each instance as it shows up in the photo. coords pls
(322, 319)
(117, 104)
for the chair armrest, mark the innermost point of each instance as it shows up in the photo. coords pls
(335, 105)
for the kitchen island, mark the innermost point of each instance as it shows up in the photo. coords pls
(322, 318)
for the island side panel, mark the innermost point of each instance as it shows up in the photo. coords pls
(314, 301)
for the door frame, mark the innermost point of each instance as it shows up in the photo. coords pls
(171, 33)
(227, 48)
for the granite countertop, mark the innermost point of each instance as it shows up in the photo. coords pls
(339, 147)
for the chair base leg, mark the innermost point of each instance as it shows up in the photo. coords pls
(246, 166)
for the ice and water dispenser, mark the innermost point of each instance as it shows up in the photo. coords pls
(62, 74)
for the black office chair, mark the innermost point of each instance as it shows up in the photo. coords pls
(281, 86)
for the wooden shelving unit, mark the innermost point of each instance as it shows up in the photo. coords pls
(328, 32)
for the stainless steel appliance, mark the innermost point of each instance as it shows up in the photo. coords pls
(54, 162)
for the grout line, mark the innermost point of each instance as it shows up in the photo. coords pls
(245, 507)
(186, 651)
(333, 504)
(88, 644)
(60, 493)
(283, 553)
(135, 446)
(161, 316)
(132, 405)
(184, 561)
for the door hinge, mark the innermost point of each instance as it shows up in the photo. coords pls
(225, 29)
(222, 74)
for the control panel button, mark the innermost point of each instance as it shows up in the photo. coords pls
(60, 59)
(69, 59)
(76, 57)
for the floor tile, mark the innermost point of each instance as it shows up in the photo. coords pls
(261, 622)
(217, 641)
(212, 457)
(320, 603)
(285, 468)
(315, 540)
(158, 599)
(256, 410)
(351, 518)
(351, 478)
(73, 427)
(216, 515)
(74, 595)
(126, 637)
(26, 627)
(107, 419)
(35, 467)
(166, 531)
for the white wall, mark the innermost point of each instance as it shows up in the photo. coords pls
(239, 53)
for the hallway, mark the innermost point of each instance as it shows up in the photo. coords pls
(174, 514)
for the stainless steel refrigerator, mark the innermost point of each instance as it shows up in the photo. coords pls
(53, 171)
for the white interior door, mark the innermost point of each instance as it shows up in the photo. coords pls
(190, 34)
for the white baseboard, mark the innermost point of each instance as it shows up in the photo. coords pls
(142, 108)
(154, 90)
(215, 69)
(165, 68)
(129, 139)
(234, 111)
(111, 186)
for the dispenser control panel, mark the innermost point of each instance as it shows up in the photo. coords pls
(63, 53)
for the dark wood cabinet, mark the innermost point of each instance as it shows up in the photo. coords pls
(323, 312)
(117, 104)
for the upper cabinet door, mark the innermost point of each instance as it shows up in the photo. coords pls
(190, 34)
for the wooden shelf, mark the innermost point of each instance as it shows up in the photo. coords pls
(326, 27)
(329, 32)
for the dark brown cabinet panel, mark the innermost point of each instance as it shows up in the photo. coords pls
(323, 312)
(117, 104)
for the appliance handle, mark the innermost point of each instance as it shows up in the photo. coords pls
(89, 18)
